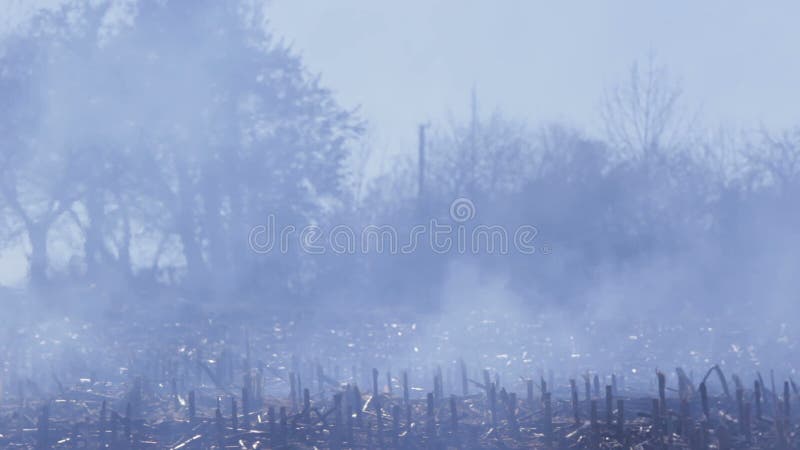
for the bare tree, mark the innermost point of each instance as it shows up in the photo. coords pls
(643, 115)
(483, 156)
(775, 158)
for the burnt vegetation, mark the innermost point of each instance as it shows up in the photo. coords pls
(220, 385)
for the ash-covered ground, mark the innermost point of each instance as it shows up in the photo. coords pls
(147, 376)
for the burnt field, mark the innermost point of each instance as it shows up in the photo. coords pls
(252, 224)
(183, 378)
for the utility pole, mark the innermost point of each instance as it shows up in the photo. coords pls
(473, 137)
(421, 160)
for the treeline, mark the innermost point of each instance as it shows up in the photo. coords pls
(673, 219)
(141, 154)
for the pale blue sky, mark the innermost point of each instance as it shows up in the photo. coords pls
(415, 60)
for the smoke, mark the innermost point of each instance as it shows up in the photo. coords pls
(142, 142)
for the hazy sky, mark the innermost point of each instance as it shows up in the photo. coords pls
(406, 62)
(415, 60)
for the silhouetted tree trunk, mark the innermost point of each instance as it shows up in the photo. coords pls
(37, 236)
(93, 236)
